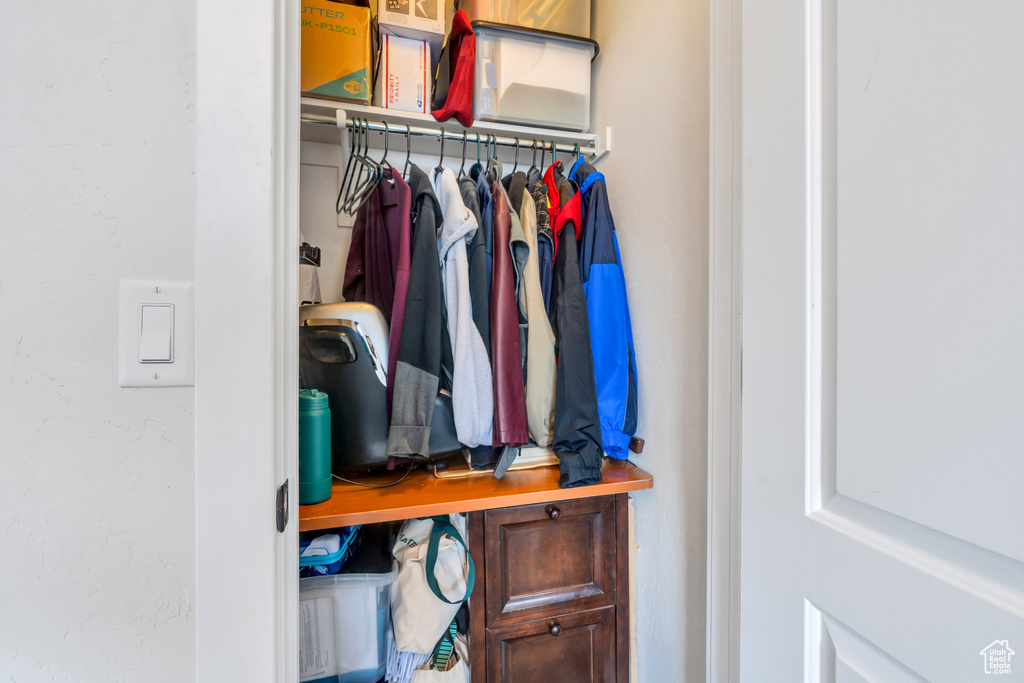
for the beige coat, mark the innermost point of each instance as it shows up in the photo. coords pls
(540, 345)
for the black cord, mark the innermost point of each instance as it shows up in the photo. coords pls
(379, 486)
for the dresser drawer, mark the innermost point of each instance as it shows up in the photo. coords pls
(572, 648)
(549, 559)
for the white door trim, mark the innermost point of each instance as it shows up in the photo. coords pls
(246, 339)
(724, 345)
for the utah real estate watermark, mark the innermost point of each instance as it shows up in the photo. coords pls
(997, 657)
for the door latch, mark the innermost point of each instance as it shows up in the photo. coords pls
(282, 506)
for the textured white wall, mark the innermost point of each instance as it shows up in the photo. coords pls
(97, 521)
(651, 87)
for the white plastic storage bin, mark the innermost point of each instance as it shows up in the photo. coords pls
(571, 17)
(531, 77)
(343, 622)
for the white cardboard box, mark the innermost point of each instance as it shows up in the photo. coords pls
(403, 80)
(414, 19)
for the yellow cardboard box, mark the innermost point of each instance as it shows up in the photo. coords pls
(336, 51)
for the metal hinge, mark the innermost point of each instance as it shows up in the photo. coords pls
(282, 506)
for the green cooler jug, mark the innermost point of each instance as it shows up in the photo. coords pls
(314, 447)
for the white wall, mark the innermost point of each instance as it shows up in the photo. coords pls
(97, 521)
(651, 87)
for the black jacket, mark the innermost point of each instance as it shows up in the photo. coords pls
(421, 350)
(577, 437)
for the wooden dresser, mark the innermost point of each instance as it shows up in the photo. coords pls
(551, 600)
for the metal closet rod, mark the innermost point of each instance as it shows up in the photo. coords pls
(399, 130)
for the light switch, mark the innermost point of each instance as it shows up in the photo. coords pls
(156, 339)
(156, 334)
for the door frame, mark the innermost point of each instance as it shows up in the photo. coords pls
(246, 285)
(724, 344)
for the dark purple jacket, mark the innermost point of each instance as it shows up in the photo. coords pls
(510, 425)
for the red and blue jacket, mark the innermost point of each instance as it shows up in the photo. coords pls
(611, 332)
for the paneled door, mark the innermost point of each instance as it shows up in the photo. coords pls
(882, 524)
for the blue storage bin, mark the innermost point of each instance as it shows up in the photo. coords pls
(326, 554)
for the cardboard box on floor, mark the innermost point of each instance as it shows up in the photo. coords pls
(336, 51)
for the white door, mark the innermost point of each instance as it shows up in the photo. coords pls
(882, 526)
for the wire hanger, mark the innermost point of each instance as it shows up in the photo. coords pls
(533, 160)
(516, 165)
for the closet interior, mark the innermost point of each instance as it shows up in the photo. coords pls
(536, 537)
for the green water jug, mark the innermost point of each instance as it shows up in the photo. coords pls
(314, 447)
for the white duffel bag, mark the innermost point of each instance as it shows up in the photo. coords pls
(435, 576)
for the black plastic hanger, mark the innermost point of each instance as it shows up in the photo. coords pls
(348, 168)
(533, 161)
(462, 168)
(440, 159)
(408, 151)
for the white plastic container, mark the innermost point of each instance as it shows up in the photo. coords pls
(532, 77)
(343, 622)
(571, 17)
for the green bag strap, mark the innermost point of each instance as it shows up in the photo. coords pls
(442, 524)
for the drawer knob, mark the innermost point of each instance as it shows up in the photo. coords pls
(554, 628)
(554, 513)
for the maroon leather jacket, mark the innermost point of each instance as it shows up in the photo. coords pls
(510, 425)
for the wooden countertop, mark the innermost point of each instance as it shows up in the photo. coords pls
(422, 494)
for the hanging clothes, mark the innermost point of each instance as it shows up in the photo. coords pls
(510, 425)
(377, 269)
(513, 186)
(577, 431)
(453, 85)
(472, 392)
(540, 354)
(560, 191)
(479, 276)
(611, 335)
(370, 270)
(418, 366)
(483, 186)
(545, 241)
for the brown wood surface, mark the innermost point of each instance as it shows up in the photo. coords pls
(477, 633)
(552, 558)
(422, 494)
(582, 652)
(622, 608)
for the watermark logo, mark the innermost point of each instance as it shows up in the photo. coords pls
(997, 657)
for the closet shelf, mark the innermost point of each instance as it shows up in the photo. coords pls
(422, 494)
(319, 124)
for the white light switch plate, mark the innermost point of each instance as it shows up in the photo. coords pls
(180, 371)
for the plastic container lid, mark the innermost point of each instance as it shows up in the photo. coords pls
(537, 35)
(312, 399)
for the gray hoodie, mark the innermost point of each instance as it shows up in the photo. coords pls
(472, 392)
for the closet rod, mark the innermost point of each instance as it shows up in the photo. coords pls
(399, 131)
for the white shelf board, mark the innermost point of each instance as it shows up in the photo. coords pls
(323, 132)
